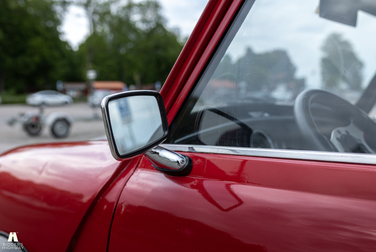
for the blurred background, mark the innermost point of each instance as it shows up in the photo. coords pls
(59, 58)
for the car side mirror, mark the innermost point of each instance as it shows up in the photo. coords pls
(135, 121)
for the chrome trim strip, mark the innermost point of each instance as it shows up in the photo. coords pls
(273, 153)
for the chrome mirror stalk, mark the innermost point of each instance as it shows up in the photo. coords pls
(169, 162)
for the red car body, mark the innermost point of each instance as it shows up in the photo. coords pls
(76, 197)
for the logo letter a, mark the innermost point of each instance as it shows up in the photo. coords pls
(12, 237)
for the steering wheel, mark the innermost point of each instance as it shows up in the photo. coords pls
(346, 134)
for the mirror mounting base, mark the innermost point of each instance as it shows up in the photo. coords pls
(169, 162)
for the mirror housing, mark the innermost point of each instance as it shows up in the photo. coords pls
(134, 121)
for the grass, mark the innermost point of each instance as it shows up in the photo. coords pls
(79, 99)
(7, 98)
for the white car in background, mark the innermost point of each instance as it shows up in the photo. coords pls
(48, 97)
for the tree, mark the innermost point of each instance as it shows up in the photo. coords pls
(130, 43)
(32, 56)
(340, 66)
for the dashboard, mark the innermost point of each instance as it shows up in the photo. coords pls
(253, 125)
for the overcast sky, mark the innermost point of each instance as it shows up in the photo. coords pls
(182, 14)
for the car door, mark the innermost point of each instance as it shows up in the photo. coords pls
(259, 182)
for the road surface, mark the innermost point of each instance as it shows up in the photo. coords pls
(85, 125)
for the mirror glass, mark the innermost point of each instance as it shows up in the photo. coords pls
(135, 122)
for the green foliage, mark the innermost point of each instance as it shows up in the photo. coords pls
(32, 56)
(9, 98)
(340, 66)
(130, 43)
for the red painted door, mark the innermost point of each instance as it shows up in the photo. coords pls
(248, 204)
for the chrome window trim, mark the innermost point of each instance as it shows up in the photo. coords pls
(273, 153)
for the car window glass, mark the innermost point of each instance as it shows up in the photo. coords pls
(293, 76)
(48, 92)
